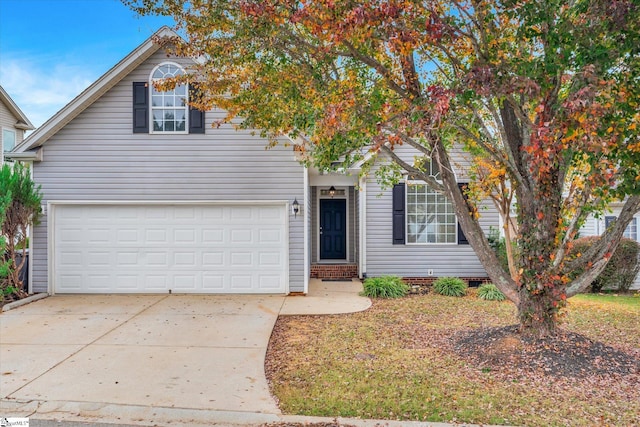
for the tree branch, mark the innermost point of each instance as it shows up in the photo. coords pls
(598, 255)
(415, 172)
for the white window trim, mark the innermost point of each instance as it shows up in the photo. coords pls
(603, 226)
(15, 139)
(633, 221)
(406, 219)
(186, 116)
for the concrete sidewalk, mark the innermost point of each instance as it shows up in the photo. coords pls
(150, 359)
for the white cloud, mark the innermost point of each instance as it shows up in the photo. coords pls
(41, 87)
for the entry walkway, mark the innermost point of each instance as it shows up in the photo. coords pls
(327, 298)
(150, 359)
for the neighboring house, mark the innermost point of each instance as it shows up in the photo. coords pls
(142, 194)
(13, 123)
(596, 226)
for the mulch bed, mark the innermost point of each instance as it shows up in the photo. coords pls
(567, 355)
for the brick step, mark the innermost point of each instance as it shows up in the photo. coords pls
(334, 271)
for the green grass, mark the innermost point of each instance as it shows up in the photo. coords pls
(389, 362)
(632, 300)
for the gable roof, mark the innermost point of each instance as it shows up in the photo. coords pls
(93, 92)
(22, 121)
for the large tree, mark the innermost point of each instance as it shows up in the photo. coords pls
(543, 95)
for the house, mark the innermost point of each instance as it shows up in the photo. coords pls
(13, 123)
(596, 226)
(142, 194)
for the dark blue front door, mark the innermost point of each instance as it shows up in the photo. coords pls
(333, 229)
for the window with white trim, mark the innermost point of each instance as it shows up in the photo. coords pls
(8, 139)
(430, 215)
(631, 232)
(169, 109)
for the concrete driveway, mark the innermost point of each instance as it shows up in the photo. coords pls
(148, 358)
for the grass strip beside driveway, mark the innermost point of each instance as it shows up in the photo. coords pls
(399, 360)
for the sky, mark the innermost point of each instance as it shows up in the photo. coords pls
(51, 50)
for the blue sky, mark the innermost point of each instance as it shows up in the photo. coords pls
(51, 50)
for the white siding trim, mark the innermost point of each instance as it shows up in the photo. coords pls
(306, 230)
(362, 209)
(169, 202)
(30, 237)
(50, 251)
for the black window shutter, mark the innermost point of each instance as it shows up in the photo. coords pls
(140, 107)
(462, 239)
(608, 221)
(399, 220)
(196, 117)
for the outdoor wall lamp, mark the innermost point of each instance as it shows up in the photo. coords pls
(295, 206)
(332, 191)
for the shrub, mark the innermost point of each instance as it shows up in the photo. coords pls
(490, 292)
(21, 208)
(621, 270)
(385, 287)
(450, 286)
(499, 246)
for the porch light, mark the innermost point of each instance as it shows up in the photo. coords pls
(295, 206)
(332, 191)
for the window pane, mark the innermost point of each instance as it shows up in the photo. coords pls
(169, 108)
(430, 216)
(631, 232)
(8, 139)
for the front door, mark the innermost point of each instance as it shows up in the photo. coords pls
(333, 229)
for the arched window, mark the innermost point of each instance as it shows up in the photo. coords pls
(169, 109)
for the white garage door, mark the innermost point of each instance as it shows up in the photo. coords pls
(177, 248)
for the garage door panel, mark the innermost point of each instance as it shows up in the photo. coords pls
(155, 282)
(125, 282)
(199, 248)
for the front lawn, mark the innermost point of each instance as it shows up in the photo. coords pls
(436, 358)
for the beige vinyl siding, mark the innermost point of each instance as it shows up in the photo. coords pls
(590, 227)
(415, 260)
(97, 157)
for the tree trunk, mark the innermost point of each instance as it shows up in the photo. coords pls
(537, 314)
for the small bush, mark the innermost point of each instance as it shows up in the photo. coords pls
(621, 270)
(385, 287)
(490, 292)
(450, 286)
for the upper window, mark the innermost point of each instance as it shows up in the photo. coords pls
(169, 109)
(430, 215)
(631, 232)
(8, 139)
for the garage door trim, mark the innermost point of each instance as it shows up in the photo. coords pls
(51, 225)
